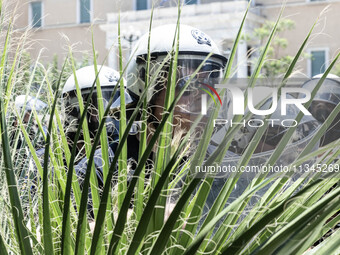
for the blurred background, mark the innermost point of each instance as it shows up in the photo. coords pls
(58, 24)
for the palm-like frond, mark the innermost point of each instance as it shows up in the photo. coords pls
(46, 210)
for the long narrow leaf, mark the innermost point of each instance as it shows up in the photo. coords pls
(17, 213)
(48, 239)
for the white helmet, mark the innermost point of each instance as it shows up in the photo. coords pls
(26, 104)
(194, 46)
(86, 76)
(29, 103)
(325, 100)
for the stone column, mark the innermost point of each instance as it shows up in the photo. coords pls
(242, 60)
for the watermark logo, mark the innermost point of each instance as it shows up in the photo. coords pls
(237, 96)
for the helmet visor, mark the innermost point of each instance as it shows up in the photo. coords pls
(73, 112)
(106, 96)
(208, 74)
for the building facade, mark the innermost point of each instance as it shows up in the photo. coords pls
(57, 25)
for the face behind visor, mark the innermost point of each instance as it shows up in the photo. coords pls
(209, 73)
(86, 76)
(324, 102)
(72, 111)
(193, 47)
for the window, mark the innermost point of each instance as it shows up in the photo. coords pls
(84, 11)
(191, 2)
(318, 62)
(141, 5)
(35, 14)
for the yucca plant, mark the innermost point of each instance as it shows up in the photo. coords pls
(44, 209)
